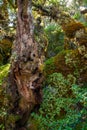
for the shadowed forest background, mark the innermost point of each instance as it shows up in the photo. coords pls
(43, 65)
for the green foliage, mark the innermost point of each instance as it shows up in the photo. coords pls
(3, 98)
(63, 86)
(3, 72)
(77, 16)
(55, 38)
(64, 105)
(49, 62)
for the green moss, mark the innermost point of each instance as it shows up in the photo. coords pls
(63, 106)
(49, 66)
(58, 64)
(68, 62)
(3, 72)
(71, 28)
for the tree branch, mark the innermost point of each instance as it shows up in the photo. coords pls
(54, 12)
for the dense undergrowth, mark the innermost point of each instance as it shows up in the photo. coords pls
(64, 105)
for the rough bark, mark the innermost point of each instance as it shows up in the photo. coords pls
(25, 77)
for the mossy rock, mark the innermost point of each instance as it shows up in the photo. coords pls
(57, 64)
(68, 62)
(72, 27)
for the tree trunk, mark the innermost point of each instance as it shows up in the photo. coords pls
(25, 77)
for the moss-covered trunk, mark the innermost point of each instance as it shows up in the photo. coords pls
(25, 77)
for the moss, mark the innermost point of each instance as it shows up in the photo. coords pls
(82, 40)
(60, 64)
(68, 62)
(5, 49)
(72, 27)
(33, 124)
(3, 72)
(57, 64)
(78, 62)
(11, 119)
(49, 66)
(6, 42)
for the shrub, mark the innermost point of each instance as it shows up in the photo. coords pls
(64, 105)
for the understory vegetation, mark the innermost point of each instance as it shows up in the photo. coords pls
(64, 105)
(3, 97)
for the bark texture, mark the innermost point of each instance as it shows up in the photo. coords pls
(25, 77)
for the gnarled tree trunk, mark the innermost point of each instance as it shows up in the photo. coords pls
(25, 77)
